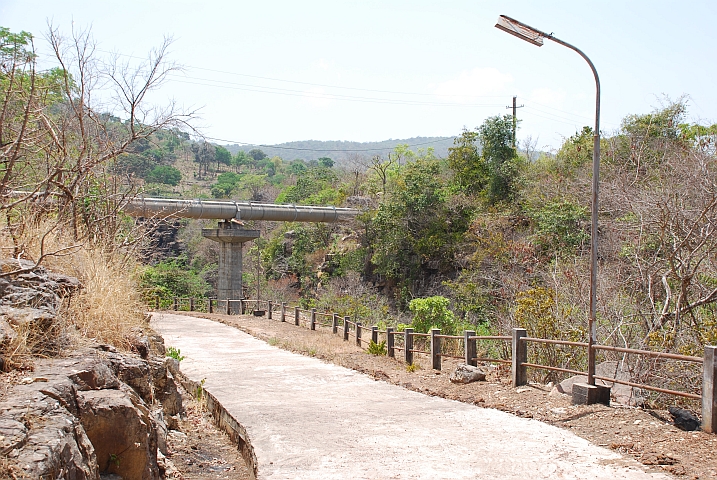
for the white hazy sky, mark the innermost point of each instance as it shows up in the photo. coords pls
(272, 71)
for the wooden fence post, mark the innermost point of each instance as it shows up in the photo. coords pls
(313, 319)
(335, 323)
(390, 342)
(469, 347)
(228, 307)
(191, 304)
(374, 334)
(176, 304)
(283, 311)
(268, 310)
(346, 328)
(520, 356)
(242, 306)
(156, 303)
(296, 315)
(709, 390)
(408, 345)
(436, 348)
(209, 306)
(358, 334)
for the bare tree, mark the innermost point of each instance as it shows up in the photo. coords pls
(61, 130)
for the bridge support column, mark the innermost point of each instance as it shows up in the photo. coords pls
(231, 239)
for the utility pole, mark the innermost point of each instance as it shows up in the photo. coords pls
(515, 117)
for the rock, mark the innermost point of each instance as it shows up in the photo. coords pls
(94, 376)
(42, 438)
(162, 430)
(467, 374)
(133, 371)
(7, 333)
(120, 429)
(622, 394)
(165, 388)
(12, 435)
(684, 419)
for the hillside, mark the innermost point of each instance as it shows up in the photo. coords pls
(343, 151)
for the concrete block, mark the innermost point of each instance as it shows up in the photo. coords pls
(584, 394)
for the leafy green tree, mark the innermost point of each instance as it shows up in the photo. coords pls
(256, 154)
(469, 167)
(226, 183)
(499, 155)
(165, 174)
(222, 156)
(326, 162)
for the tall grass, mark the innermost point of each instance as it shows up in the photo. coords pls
(106, 309)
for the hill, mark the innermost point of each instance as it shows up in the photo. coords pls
(341, 151)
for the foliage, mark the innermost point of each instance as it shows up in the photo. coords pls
(433, 312)
(174, 353)
(377, 348)
(164, 174)
(560, 227)
(173, 278)
(500, 157)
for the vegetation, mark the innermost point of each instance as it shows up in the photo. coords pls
(479, 235)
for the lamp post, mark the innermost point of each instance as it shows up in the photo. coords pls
(535, 37)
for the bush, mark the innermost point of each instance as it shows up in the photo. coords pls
(433, 312)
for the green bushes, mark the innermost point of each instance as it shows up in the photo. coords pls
(433, 312)
(173, 278)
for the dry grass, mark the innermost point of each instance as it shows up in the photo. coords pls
(106, 309)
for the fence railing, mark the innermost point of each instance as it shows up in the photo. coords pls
(409, 343)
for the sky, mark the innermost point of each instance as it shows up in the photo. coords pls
(272, 71)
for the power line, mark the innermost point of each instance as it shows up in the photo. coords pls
(327, 96)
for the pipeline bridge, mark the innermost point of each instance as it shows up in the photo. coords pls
(230, 233)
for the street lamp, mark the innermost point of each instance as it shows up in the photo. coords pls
(535, 36)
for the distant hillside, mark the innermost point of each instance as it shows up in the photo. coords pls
(341, 151)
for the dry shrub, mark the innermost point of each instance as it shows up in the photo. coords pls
(107, 308)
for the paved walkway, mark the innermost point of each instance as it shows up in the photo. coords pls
(316, 421)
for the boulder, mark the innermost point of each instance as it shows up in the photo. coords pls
(121, 431)
(467, 373)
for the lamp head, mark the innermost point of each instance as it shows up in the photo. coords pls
(520, 30)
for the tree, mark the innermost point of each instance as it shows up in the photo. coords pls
(381, 168)
(499, 155)
(326, 162)
(58, 135)
(469, 168)
(256, 154)
(222, 156)
(165, 174)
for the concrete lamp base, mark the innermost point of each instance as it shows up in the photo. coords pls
(584, 394)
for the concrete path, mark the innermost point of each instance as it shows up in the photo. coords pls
(311, 420)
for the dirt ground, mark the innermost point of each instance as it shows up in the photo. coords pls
(198, 450)
(646, 435)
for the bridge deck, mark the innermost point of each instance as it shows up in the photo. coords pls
(307, 419)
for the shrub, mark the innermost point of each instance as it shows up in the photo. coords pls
(433, 312)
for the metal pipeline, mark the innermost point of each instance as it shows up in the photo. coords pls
(214, 209)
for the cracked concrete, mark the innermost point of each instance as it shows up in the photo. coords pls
(307, 419)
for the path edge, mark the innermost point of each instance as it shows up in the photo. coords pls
(224, 420)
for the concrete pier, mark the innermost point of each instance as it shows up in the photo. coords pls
(231, 238)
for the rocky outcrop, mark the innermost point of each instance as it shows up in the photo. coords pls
(89, 414)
